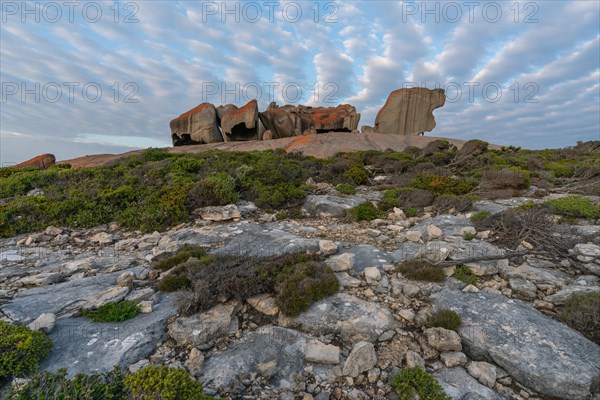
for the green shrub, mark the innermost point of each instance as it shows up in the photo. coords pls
(559, 169)
(115, 311)
(469, 236)
(173, 282)
(56, 385)
(21, 350)
(364, 212)
(164, 383)
(308, 282)
(582, 313)
(421, 270)
(480, 216)
(183, 254)
(357, 174)
(411, 212)
(389, 200)
(415, 198)
(464, 274)
(155, 154)
(413, 383)
(438, 184)
(346, 188)
(574, 206)
(446, 319)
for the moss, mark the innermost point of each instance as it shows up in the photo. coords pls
(582, 313)
(421, 270)
(346, 188)
(464, 274)
(364, 212)
(114, 312)
(574, 206)
(21, 350)
(411, 383)
(446, 319)
(306, 283)
(165, 383)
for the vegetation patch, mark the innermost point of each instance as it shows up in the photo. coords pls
(21, 349)
(297, 280)
(411, 383)
(574, 207)
(165, 383)
(186, 252)
(364, 212)
(173, 283)
(421, 270)
(582, 313)
(115, 311)
(464, 274)
(446, 319)
(438, 184)
(480, 216)
(346, 188)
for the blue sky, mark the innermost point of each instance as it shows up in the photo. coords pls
(107, 77)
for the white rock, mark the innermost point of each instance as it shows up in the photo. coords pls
(102, 238)
(484, 372)
(453, 358)
(372, 274)
(44, 323)
(145, 306)
(443, 339)
(433, 232)
(470, 289)
(327, 247)
(468, 230)
(318, 352)
(220, 213)
(362, 358)
(264, 303)
(340, 263)
(413, 236)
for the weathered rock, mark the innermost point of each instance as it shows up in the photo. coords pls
(409, 111)
(102, 238)
(453, 358)
(264, 303)
(362, 358)
(196, 126)
(522, 288)
(538, 351)
(44, 323)
(278, 122)
(113, 294)
(220, 213)
(483, 372)
(316, 351)
(372, 274)
(341, 263)
(459, 385)
(353, 319)
(327, 247)
(241, 123)
(330, 206)
(43, 161)
(224, 109)
(587, 249)
(433, 232)
(195, 362)
(87, 347)
(443, 339)
(414, 359)
(203, 329)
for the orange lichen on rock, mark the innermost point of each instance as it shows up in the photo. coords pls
(43, 161)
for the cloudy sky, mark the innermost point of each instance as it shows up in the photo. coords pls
(105, 77)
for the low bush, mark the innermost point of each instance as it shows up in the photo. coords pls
(446, 319)
(168, 261)
(421, 270)
(296, 279)
(447, 202)
(412, 383)
(582, 313)
(57, 385)
(346, 188)
(173, 283)
(415, 198)
(464, 274)
(480, 216)
(411, 212)
(164, 383)
(114, 312)
(389, 200)
(575, 207)
(469, 236)
(21, 349)
(438, 184)
(364, 212)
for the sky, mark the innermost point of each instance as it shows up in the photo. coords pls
(89, 77)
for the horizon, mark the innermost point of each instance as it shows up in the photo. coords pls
(108, 77)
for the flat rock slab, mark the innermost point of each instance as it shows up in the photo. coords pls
(457, 384)
(330, 206)
(353, 319)
(267, 344)
(449, 224)
(497, 206)
(536, 350)
(366, 256)
(62, 299)
(84, 346)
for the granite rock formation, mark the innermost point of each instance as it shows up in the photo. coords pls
(43, 161)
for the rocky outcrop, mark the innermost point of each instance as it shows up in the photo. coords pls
(43, 161)
(409, 111)
(241, 124)
(196, 126)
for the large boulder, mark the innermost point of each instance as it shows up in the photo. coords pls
(242, 123)
(409, 111)
(290, 120)
(330, 206)
(536, 350)
(43, 161)
(196, 126)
